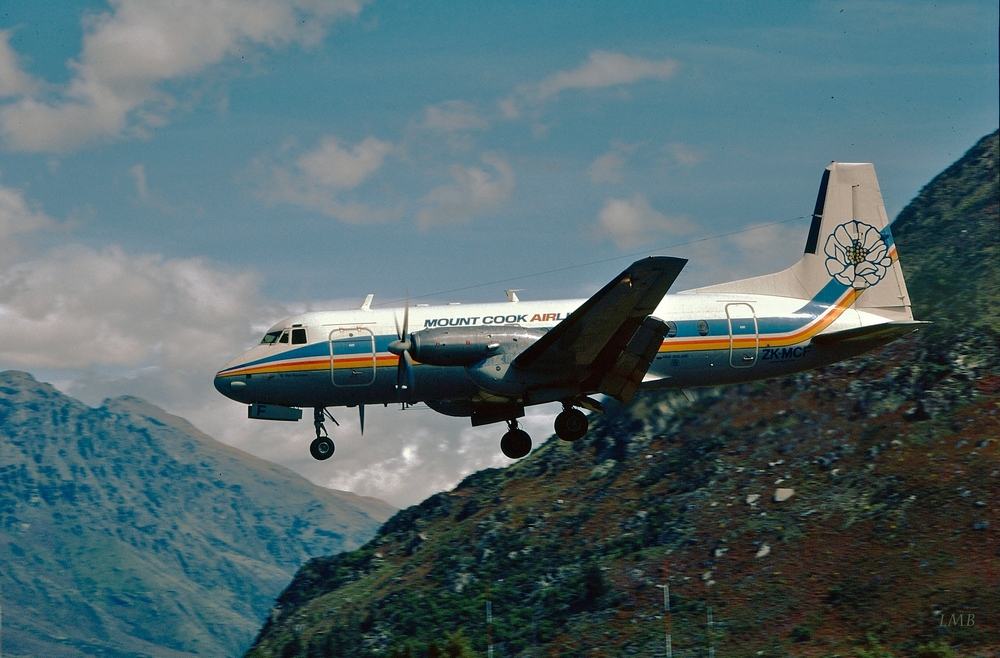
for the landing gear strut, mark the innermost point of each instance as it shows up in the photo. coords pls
(571, 424)
(322, 446)
(515, 443)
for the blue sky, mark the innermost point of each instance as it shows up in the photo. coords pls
(176, 175)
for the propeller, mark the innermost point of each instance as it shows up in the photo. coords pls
(401, 348)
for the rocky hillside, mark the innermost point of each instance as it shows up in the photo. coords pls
(953, 267)
(849, 511)
(124, 531)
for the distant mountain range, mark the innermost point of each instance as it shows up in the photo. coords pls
(852, 510)
(124, 531)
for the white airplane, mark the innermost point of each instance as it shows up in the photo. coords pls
(489, 361)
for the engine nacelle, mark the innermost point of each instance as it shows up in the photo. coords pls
(450, 346)
(495, 374)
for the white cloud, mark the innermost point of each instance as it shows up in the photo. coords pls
(318, 179)
(128, 51)
(76, 308)
(684, 154)
(604, 69)
(406, 456)
(601, 70)
(18, 219)
(138, 172)
(609, 167)
(633, 222)
(770, 248)
(335, 167)
(473, 191)
(13, 81)
(454, 116)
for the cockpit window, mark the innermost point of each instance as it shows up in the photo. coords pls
(284, 337)
(270, 337)
(299, 337)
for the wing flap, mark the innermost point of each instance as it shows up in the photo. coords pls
(622, 381)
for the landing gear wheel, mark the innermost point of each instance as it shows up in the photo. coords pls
(571, 425)
(321, 448)
(515, 444)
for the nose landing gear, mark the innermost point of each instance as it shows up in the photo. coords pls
(322, 446)
(515, 443)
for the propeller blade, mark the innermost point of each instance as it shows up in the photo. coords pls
(401, 374)
(401, 348)
(408, 360)
(361, 412)
(406, 317)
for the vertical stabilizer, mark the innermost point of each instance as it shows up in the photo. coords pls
(849, 245)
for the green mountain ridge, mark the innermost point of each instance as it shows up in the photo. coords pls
(124, 531)
(885, 546)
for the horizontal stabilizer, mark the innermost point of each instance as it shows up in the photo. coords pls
(875, 334)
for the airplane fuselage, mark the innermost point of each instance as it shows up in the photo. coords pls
(712, 340)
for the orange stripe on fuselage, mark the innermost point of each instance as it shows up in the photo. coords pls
(309, 365)
(766, 340)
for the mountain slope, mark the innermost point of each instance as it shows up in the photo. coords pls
(954, 224)
(886, 545)
(125, 531)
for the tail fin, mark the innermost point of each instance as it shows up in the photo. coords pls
(849, 246)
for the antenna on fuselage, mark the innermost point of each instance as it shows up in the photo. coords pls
(367, 304)
(512, 295)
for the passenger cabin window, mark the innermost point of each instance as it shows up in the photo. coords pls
(284, 337)
(702, 327)
(298, 337)
(270, 338)
(671, 328)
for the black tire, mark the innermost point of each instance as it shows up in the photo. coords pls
(515, 444)
(321, 448)
(571, 425)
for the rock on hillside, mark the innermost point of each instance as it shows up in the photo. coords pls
(124, 531)
(847, 511)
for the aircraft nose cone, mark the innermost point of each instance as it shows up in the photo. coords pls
(231, 387)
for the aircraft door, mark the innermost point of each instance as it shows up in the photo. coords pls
(352, 356)
(744, 339)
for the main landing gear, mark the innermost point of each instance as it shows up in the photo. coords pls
(515, 443)
(571, 424)
(322, 446)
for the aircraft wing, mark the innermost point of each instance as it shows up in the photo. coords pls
(608, 343)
